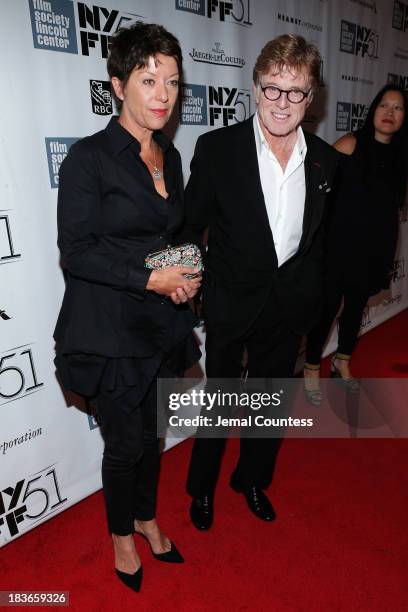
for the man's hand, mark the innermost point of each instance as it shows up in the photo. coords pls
(172, 283)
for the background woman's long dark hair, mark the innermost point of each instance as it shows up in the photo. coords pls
(399, 142)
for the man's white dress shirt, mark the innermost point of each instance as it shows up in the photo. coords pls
(284, 192)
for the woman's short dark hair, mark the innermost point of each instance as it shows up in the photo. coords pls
(132, 47)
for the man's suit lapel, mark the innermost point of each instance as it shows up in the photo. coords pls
(315, 192)
(250, 179)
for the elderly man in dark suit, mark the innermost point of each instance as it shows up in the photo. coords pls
(260, 188)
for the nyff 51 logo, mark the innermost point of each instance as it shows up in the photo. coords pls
(398, 79)
(350, 116)
(400, 16)
(359, 40)
(18, 374)
(30, 498)
(214, 106)
(97, 24)
(233, 11)
(8, 252)
(4, 316)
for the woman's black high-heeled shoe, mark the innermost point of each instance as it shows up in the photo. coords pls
(350, 385)
(133, 581)
(170, 556)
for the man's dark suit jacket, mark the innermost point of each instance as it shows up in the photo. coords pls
(224, 194)
(110, 217)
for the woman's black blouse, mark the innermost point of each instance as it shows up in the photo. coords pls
(110, 216)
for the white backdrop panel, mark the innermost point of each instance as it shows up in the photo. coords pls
(56, 90)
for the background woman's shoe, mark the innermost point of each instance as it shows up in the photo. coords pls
(133, 581)
(313, 395)
(202, 512)
(350, 385)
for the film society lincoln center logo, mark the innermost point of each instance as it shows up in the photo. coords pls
(213, 105)
(57, 150)
(359, 40)
(54, 27)
(350, 116)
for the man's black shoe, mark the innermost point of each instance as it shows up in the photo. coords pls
(201, 512)
(257, 502)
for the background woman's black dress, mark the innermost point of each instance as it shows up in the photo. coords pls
(361, 240)
(363, 222)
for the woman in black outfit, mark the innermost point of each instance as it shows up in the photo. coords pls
(122, 325)
(362, 230)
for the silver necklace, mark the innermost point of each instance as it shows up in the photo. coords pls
(157, 173)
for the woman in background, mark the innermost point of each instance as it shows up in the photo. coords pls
(121, 326)
(362, 232)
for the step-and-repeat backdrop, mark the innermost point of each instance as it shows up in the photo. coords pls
(56, 90)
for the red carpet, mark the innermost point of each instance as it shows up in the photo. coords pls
(340, 542)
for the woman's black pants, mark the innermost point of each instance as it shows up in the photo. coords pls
(355, 299)
(131, 458)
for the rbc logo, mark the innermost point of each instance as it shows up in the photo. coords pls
(101, 97)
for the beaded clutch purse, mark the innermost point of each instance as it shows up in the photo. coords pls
(183, 255)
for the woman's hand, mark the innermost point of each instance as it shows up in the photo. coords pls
(172, 282)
